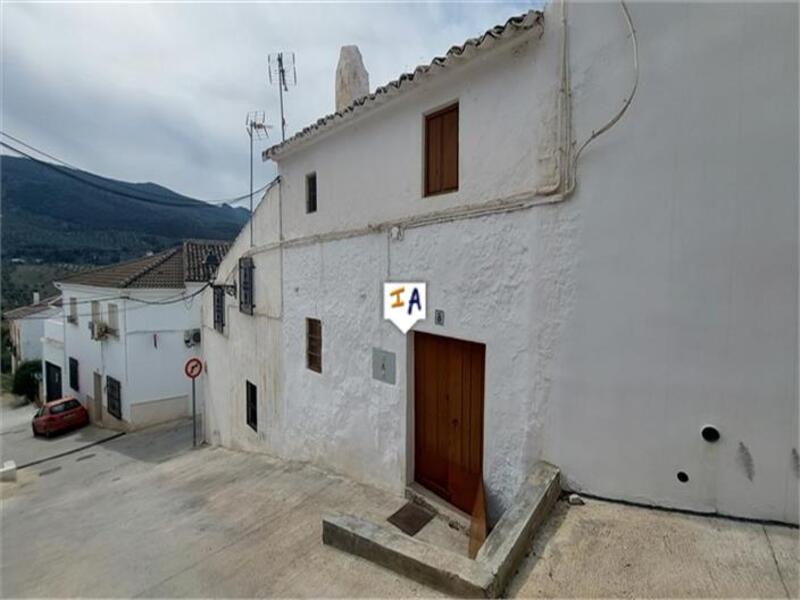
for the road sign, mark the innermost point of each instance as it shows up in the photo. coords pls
(193, 368)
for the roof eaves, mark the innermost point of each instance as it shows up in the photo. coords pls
(456, 54)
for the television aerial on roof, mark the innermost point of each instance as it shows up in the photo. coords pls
(279, 65)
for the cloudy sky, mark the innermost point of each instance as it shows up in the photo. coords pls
(159, 92)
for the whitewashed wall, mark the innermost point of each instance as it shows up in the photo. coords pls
(147, 356)
(660, 297)
(683, 300)
(249, 347)
(28, 336)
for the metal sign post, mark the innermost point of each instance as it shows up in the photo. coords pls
(193, 368)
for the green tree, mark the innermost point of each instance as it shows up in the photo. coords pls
(26, 379)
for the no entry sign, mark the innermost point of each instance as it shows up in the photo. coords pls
(193, 368)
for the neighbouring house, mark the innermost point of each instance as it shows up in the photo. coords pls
(26, 328)
(128, 329)
(607, 224)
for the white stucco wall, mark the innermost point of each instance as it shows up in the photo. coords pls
(147, 355)
(28, 336)
(659, 297)
(684, 294)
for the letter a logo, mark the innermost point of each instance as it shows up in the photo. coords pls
(404, 303)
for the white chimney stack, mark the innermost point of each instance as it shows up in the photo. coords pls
(352, 79)
(36, 297)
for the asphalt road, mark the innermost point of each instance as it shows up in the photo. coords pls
(18, 443)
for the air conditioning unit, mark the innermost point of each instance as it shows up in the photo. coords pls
(99, 329)
(191, 337)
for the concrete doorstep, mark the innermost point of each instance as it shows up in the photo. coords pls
(487, 575)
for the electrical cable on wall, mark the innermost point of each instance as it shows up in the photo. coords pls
(626, 103)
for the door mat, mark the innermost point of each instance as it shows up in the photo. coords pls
(411, 518)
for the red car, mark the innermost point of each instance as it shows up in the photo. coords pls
(59, 415)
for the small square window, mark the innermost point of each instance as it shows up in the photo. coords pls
(314, 345)
(252, 406)
(311, 193)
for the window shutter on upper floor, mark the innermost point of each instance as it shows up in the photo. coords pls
(441, 151)
(219, 308)
(246, 268)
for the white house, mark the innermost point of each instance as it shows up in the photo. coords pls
(26, 327)
(607, 224)
(128, 329)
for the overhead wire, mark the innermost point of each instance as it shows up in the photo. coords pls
(144, 304)
(75, 173)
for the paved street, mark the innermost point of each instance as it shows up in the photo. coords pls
(145, 515)
(17, 442)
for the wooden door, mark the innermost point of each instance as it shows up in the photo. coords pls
(448, 417)
(98, 397)
(52, 380)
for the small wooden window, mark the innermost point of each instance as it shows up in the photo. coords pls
(311, 193)
(114, 396)
(441, 151)
(246, 285)
(314, 345)
(73, 311)
(73, 374)
(219, 308)
(252, 406)
(113, 319)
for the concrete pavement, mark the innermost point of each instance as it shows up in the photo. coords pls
(604, 550)
(145, 515)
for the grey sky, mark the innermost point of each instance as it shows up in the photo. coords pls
(159, 92)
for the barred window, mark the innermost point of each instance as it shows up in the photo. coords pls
(314, 345)
(114, 397)
(219, 308)
(246, 303)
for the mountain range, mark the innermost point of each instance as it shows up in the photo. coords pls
(53, 217)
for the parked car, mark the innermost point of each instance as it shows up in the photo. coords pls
(59, 415)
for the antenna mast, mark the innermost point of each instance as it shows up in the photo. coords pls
(256, 126)
(279, 64)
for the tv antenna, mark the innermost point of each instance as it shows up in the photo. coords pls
(256, 126)
(279, 64)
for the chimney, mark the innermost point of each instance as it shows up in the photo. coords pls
(36, 297)
(352, 79)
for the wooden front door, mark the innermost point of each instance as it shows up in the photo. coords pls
(52, 381)
(448, 417)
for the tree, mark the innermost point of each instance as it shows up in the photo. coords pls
(26, 379)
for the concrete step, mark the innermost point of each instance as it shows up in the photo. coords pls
(487, 575)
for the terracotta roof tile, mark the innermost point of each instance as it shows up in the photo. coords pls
(510, 28)
(168, 269)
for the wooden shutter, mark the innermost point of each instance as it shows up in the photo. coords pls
(314, 345)
(246, 285)
(441, 151)
(219, 308)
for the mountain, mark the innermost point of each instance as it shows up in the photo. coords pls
(49, 217)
